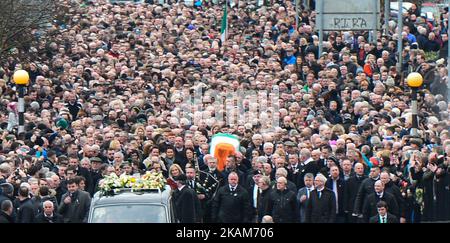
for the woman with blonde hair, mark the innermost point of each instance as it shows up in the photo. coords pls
(369, 65)
(175, 170)
(115, 144)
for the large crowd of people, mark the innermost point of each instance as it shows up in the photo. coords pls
(113, 91)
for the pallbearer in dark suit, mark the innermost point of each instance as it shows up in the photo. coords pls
(321, 206)
(231, 203)
(351, 190)
(336, 184)
(186, 203)
(304, 194)
(383, 216)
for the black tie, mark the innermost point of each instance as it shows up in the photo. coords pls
(319, 193)
(233, 189)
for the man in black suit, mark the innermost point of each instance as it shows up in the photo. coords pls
(390, 187)
(231, 203)
(351, 189)
(25, 209)
(370, 204)
(282, 204)
(307, 165)
(365, 189)
(186, 203)
(336, 184)
(293, 168)
(321, 205)
(254, 191)
(383, 217)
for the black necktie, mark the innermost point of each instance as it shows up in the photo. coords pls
(319, 193)
(233, 189)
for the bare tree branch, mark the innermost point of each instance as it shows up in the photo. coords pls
(21, 19)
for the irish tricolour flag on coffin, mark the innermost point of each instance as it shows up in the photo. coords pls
(223, 145)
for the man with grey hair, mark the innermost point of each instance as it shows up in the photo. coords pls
(321, 205)
(282, 172)
(268, 149)
(48, 215)
(256, 144)
(282, 205)
(304, 194)
(5, 172)
(307, 165)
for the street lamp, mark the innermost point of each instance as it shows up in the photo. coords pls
(21, 79)
(414, 80)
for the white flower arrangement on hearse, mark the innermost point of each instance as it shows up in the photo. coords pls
(150, 180)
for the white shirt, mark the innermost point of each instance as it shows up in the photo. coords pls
(255, 196)
(335, 190)
(307, 161)
(308, 191)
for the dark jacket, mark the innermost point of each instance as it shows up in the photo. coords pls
(323, 209)
(231, 207)
(393, 189)
(340, 190)
(390, 219)
(77, 210)
(187, 205)
(26, 211)
(42, 219)
(283, 207)
(5, 218)
(366, 187)
(311, 167)
(443, 52)
(263, 200)
(351, 189)
(370, 205)
(180, 158)
(90, 186)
